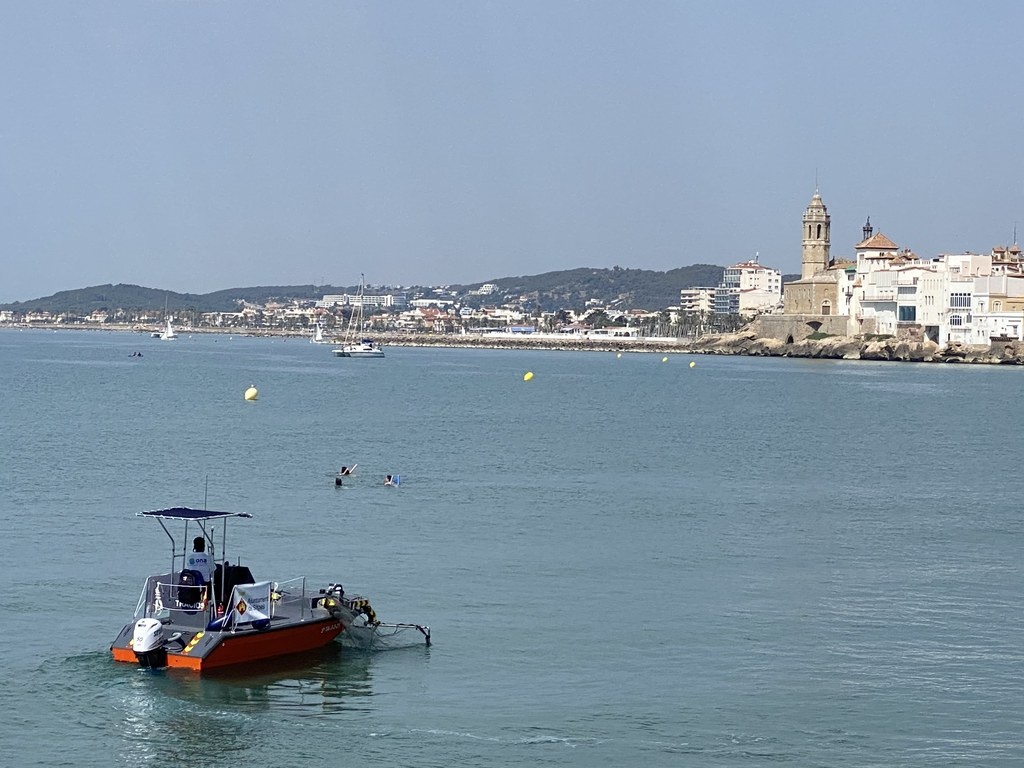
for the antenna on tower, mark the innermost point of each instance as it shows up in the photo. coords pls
(815, 179)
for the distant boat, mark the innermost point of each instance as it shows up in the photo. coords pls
(362, 348)
(356, 343)
(168, 332)
(318, 335)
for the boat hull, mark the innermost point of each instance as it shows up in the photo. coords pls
(215, 649)
(358, 353)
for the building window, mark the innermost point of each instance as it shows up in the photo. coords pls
(908, 314)
(960, 300)
(819, 231)
(956, 320)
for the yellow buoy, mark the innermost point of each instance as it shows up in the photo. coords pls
(252, 393)
(618, 354)
(693, 364)
(664, 359)
(528, 375)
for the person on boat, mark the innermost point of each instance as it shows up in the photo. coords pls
(345, 471)
(199, 560)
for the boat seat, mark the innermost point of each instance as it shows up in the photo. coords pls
(190, 588)
(229, 577)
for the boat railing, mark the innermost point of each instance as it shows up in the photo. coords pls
(164, 599)
(287, 593)
(168, 601)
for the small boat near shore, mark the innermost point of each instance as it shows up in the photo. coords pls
(183, 622)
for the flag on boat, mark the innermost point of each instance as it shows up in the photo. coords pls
(250, 602)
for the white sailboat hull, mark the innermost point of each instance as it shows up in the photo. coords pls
(359, 351)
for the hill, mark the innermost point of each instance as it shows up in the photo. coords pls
(616, 287)
(565, 289)
(82, 301)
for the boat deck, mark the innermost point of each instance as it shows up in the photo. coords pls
(201, 634)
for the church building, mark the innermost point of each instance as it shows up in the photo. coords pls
(822, 288)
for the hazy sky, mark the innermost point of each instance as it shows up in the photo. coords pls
(201, 145)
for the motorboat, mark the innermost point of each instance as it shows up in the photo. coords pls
(182, 622)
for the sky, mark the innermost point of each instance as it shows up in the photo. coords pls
(199, 145)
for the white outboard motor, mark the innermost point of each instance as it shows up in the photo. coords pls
(148, 644)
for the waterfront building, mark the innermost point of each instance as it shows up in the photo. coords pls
(822, 287)
(999, 307)
(748, 289)
(873, 306)
(696, 301)
(952, 298)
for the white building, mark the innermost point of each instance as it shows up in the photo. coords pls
(694, 301)
(953, 298)
(749, 288)
(385, 300)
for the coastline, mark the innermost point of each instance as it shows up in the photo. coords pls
(565, 342)
(742, 342)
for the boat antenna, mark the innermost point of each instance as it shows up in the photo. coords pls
(206, 493)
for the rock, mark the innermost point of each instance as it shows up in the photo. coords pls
(876, 350)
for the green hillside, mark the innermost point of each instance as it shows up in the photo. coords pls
(565, 289)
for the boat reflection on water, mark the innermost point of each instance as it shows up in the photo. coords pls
(327, 680)
(178, 718)
(175, 717)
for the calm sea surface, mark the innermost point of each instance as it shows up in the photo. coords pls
(623, 561)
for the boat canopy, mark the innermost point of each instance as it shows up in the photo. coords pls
(186, 513)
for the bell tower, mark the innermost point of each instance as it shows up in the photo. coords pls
(816, 237)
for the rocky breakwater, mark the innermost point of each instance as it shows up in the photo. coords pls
(856, 348)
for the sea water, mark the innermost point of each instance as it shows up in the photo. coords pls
(623, 561)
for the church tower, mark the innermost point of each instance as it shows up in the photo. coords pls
(816, 237)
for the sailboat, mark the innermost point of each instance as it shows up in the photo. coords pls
(168, 332)
(318, 335)
(355, 343)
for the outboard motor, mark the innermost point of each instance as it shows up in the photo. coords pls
(148, 644)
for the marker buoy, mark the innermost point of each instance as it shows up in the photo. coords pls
(618, 354)
(252, 393)
(528, 375)
(693, 364)
(664, 359)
